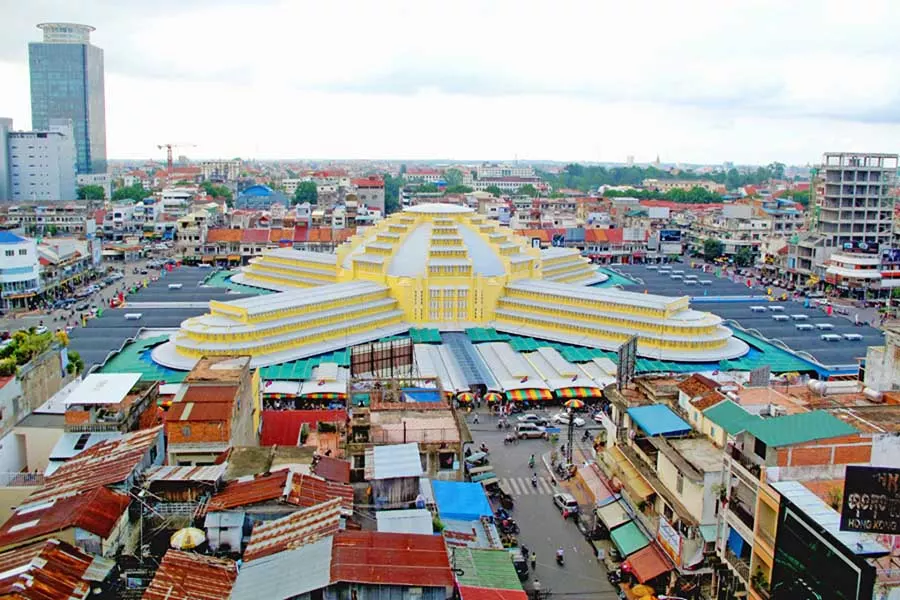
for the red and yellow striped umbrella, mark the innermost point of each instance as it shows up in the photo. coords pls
(465, 397)
(574, 403)
(493, 397)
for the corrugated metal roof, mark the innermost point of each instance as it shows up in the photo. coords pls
(96, 511)
(658, 419)
(410, 520)
(332, 469)
(107, 463)
(210, 393)
(397, 460)
(295, 530)
(208, 474)
(218, 412)
(282, 427)
(282, 486)
(730, 416)
(492, 569)
(378, 558)
(188, 576)
(278, 575)
(800, 428)
(47, 570)
(861, 544)
(476, 593)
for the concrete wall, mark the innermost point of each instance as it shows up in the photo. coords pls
(11, 497)
(886, 450)
(41, 378)
(692, 494)
(883, 364)
(39, 443)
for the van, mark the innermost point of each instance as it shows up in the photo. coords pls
(530, 430)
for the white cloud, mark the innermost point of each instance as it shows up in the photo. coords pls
(693, 81)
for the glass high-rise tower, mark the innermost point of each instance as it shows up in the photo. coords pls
(67, 83)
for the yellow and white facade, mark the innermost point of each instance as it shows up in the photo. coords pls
(441, 266)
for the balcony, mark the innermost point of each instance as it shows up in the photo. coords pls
(749, 466)
(739, 510)
(739, 565)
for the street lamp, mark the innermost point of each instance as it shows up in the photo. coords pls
(571, 405)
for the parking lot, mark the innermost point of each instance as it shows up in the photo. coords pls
(799, 328)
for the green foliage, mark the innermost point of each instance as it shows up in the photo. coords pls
(52, 230)
(527, 190)
(306, 192)
(744, 256)
(7, 367)
(392, 187)
(458, 189)
(493, 189)
(801, 196)
(76, 364)
(585, 178)
(453, 177)
(217, 191)
(134, 192)
(428, 188)
(26, 345)
(91, 192)
(712, 249)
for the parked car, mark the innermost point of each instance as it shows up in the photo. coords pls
(533, 419)
(563, 419)
(530, 430)
(564, 501)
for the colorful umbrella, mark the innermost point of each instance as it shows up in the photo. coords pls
(574, 403)
(493, 397)
(187, 538)
(465, 397)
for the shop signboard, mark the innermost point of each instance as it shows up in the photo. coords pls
(669, 540)
(871, 500)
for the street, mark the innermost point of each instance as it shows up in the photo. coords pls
(543, 529)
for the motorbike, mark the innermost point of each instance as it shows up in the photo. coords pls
(509, 526)
(509, 439)
(560, 560)
(534, 481)
(501, 514)
(586, 436)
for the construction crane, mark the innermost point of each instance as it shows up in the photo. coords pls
(168, 148)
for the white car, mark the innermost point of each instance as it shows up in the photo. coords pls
(563, 419)
(533, 419)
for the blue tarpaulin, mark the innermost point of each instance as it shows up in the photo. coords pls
(461, 501)
(658, 419)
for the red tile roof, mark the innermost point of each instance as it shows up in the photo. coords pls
(707, 400)
(189, 576)
(281, 486)
(214, 236)
(282, 427)
(380, 558)
(369, 182)
(254, 236)
(47, 570)
(210, 393)
(96, 511)
(107, 463)
(203, 411)
(333, 469)
(99, 215)
(615, 235)
(595, 236)
(342, 235)
(697, 385)
(297, 529)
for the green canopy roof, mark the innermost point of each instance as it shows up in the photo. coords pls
(730, 416)
(805, 427)
(492, 569)
(628, 538)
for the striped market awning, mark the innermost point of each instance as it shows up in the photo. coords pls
(579, 392)
(529, 394)
(278, 396)
(325, 396)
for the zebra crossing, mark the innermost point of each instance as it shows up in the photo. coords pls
(521, 486)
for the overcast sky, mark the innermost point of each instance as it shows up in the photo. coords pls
(692, 81)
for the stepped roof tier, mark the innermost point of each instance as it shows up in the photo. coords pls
(441, 266)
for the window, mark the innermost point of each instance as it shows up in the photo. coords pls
(446, 460)
(10, 253)
(23, 252)
(759, 448)
(679, 483)
(186, 431)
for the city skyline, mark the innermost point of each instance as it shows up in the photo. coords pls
(482, 81)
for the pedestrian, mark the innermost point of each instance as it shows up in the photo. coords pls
(533, 560)
(536, 585)
(475, 419)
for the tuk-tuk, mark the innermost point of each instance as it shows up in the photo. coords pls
(495, 489)
(477, 459)
(483, 476)
(473, 471)
(520, 563)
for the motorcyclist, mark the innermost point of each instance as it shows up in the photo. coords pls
(531, 462)
(534, 479)
(484, 448)
(560, 555)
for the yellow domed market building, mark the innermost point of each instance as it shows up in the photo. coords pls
(445, 267)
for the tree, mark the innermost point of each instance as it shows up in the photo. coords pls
(306, 192)
(217, 191)
(91, 192)
(801, 196)
(458, 189)
(493, 189)
(527, 190)
(453, 177)
(392, 187)
(744, 257)
(52, 230)
(776, 170)
(712, 249)
(134, 192)
(428, 188)
(76, 364)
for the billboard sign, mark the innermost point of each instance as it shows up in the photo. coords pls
(863, 247)
(670, 235)
(627, 362)
(871, 500)
(669, 540)
(890, 256)
(382, 359)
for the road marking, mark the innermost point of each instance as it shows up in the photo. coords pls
(522, 486)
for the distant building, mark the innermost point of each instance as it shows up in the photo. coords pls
(67, 82)
(259, 197)
(667, 185)
(39, 165)
(423, 175)
(19, 275)
(221, 170)
(370, 192)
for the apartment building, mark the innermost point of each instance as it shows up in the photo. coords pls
(667, 185)
(423, 175)
(38, 165)
(852, 206)
(737, 226)
(499, 171)
(221, 170)
(46, 219)
(370, 192)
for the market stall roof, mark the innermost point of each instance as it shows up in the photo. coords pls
(648, 563)
(658, 419)
(460, 500)
(485, 569)
(390, 462)
(628, 538)
(613, 515)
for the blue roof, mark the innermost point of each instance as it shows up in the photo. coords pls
(658, 419)
(461, 501)
(8, 237)
(258, 190)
